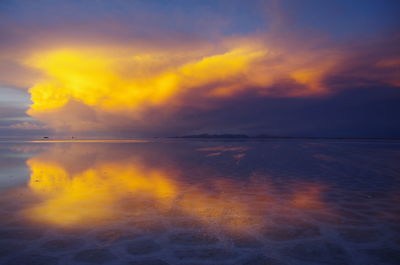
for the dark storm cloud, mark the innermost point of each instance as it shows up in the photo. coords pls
(356, 112)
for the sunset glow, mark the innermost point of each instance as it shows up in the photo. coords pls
(155, 69)
(130, 83)
(109, 190)
(199, 132)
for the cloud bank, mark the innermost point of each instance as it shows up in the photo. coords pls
(110, 75)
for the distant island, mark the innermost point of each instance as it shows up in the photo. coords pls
(206, 135)
(265, 136)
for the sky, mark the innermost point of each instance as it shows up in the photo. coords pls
(166, 68)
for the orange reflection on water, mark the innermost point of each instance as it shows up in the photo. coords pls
(220, 205)
(308, 197)
(79, 198)
(112, 189)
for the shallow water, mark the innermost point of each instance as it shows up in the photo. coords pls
(200, 202)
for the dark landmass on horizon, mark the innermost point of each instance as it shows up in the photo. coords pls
(265, 136)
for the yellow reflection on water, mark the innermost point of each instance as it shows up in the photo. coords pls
(93, 193)
(88, 186)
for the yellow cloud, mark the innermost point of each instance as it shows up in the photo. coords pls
(128, 83)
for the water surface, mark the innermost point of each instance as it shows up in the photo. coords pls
(200, 202)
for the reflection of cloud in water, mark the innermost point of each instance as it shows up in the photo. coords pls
(110, 189)
(239, 151)
(325, 157)
(239, 157)
(214, 154)
(93, 193)
(224, 149)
